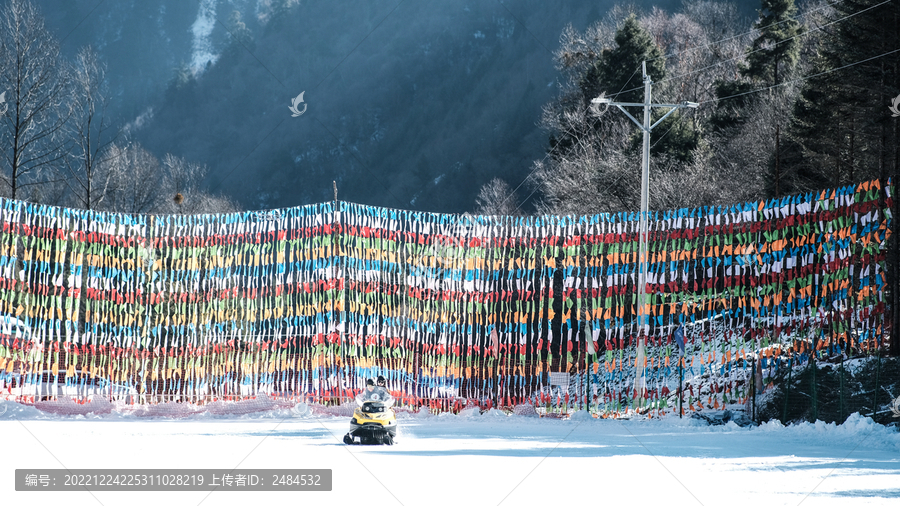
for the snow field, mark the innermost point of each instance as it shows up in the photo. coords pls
(471, 458)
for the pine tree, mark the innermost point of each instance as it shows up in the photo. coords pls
(676, 137)
(619, 69)
(618, 72)
(842, 124)
(776, 50)
(773, 56)
(843, 127)
(730, 113)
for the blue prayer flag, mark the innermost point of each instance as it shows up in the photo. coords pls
(679, 339)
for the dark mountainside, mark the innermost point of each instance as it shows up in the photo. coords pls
(411, 106)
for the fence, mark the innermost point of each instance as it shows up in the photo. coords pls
(308, 302)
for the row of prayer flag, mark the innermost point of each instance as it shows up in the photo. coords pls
(310, 301)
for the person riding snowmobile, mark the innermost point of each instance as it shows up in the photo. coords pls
(373, 421)
(372, 392)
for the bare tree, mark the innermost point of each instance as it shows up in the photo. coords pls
(139, 183)
(702, 45)
(593, 165)
(34, 78)
(200, 202)
(92, 131)
(578, 52)
(743, 153)
(700, 182)
(181, 194)
(595, 171)
(496, 198)
(592, 181)
(135, 178)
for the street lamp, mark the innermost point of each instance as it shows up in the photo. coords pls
(646, 128)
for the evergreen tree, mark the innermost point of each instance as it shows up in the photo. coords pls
(675, 137)
(613, 70)
(619, 69)
(775, 51)
(773, 56)
(730, 113)
(842, 125)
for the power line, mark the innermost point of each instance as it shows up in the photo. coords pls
(779, 42)
(663, 136)
(747, 93)
(628, 81)
(536, 165)
(801, 78)
(634, 89)
(726, 39)
(674, 77)
(554, 147)
(82, 21)
(708, 67)
(615, 183)
(746, 33)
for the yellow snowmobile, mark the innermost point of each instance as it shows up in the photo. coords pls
(373, 421)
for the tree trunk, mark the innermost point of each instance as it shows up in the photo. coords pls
(852, 142)
(777, 162)
(777, 135)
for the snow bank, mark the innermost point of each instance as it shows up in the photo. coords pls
(14, 411)
(469, 412)
(856, 430)
(581, 416)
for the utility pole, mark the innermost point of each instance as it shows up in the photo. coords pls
(643, 327)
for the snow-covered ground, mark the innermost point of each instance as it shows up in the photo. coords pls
(469, 459)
